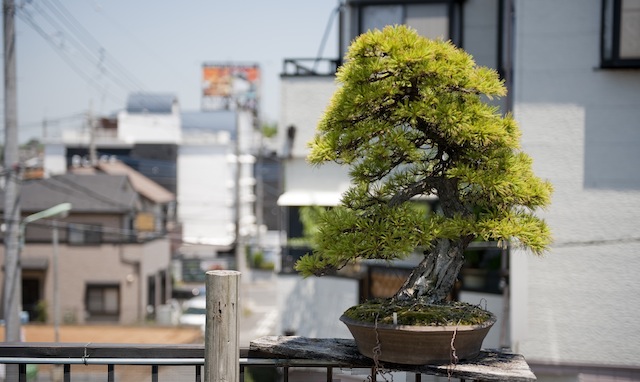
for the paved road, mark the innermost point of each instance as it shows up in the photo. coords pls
(257, 317)
(258, 307)
(112, 334)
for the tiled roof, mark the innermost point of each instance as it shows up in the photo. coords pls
(87, 193)
(145, 186)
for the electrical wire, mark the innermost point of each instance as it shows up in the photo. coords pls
(74, 188)
(325, 36)
(62, 35)
(88, 191)
(89, 43)
(65, 25)
(131, 37)
(131, 233)
(28, 19)
(95, 228)
(65, 118)
(103, 55)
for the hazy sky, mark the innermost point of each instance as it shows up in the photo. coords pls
(73, 54)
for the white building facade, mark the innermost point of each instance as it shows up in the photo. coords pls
(209, 159)
(581, 124)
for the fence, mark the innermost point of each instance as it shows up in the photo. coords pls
(165, 362)
(221, 359)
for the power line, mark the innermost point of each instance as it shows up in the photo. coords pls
(65, 118)
(28, 19)
(142, 46)
(49, 122)
(91, 192)
(88, 42)
(130, 233)
(88, 227)
(70, 31)
(69, 187)
(59, 31)
(82, 34)
(327, 30)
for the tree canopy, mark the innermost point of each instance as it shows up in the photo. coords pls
(412, 119)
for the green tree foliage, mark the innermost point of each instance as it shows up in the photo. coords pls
(411, 120)
(269, 130)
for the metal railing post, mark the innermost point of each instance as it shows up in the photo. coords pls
(221, 345)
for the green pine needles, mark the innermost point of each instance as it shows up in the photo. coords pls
(412, 120)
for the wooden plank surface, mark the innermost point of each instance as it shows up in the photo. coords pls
(490, 365)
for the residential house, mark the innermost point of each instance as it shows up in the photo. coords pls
(193, 155)
(572, 70)
(144, 136)
(157, 205)
(108, 268)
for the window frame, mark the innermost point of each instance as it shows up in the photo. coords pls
(454, 13)
(91, 234)
(610, 25)
(103, 313)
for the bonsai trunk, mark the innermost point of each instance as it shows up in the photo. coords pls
(432, 280)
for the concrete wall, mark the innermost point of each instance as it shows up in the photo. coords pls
(54, 159)
(313, 185)
(303, 100)
(205, 193)
(579, 303)
(207, 180)
(498, 335)
(312, 307)
(149, 128)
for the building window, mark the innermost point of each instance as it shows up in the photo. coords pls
(485, 268)
(103, 300)
(433, 19)
(620, 35)
(84, 234)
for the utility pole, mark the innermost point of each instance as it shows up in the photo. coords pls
(241, 256)
(259, 206)
(12, 303)
(93, 155)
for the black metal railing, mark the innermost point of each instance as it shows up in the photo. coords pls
(157, 361)
(310, 66)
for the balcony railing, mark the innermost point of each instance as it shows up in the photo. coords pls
(310, 66)
(166, 362)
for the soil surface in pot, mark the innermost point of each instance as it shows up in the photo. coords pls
(416, 313)
(421, 334)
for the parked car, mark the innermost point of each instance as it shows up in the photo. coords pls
(193, 312)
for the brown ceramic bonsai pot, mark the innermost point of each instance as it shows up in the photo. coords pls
(418, 345)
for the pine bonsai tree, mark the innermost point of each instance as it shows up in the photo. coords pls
(411, 120)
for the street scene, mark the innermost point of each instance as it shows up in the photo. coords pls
(400, 190)
(257, 317)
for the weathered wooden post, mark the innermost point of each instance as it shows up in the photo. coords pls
(221, 347)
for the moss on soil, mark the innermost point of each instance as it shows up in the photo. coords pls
(415, 313)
